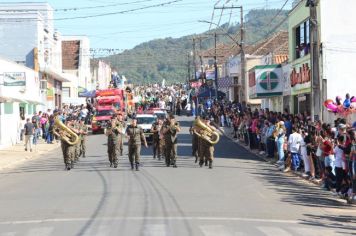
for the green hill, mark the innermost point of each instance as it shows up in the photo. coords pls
(167, 58)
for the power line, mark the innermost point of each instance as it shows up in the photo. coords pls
(75, 8)
(102, 14)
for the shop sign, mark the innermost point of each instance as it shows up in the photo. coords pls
(14, 78)
(265, 81)
(50, 94)
(233, 65)
(286, 71)
(300, 80)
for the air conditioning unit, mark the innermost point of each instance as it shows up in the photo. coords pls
(43, 85)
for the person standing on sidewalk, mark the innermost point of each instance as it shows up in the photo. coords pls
(294, 142)
(29, 131)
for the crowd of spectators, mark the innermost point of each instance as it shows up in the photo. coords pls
(322, 152)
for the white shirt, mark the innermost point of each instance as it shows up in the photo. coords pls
(339, 153)
(188, 107)
(162, 104)
(294, 142)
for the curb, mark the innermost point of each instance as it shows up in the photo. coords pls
(34, 155)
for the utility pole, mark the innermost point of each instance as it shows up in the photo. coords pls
(242, 53)
(188, 78)
(315, 98)
(194, 60)
(215, 68)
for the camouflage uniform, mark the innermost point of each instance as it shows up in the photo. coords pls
(206, 152)
(135, 135)
(113, 139)
(171, 141)
(66, 155)
(82, 143)
(195, 144)
(121, 127)
(157, 148)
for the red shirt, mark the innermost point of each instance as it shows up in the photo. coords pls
(327, 148)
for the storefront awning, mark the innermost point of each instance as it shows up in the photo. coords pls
(63, 77)
(10, 99)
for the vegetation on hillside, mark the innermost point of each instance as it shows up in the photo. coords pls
(167, 58)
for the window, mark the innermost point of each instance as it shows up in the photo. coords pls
(66, 92)
(8, 108)
(30, 109)
(302, 40)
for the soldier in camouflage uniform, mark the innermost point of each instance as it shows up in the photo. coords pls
(135, 135)
(155, 129)
(75, 128)
(67, 149)
(83, 132)
(195, 142)
(170, 131)
(206, 148)
(112, 132)
(121, 128)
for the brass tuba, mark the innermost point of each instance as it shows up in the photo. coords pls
(67, 134)
(208, 134)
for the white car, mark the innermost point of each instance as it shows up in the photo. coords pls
(160, 114)
(145, 121)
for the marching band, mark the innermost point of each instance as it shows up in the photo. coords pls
(73, 134)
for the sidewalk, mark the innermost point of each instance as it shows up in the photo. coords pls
(15, 155)
(227, 131)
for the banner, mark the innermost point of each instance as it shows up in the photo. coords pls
(210, 75)
(15, 79)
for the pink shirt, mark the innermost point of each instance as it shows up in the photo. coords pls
(254, 126)
(43, 120)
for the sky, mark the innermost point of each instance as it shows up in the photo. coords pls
(126, 30)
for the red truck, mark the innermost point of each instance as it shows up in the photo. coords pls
(107, 103)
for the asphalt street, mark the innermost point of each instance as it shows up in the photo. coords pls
(241, 195)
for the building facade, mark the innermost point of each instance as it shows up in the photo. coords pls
(20, 97)
(28, 38)
(76, 61)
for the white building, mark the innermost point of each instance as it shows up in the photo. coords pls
(28, 37)
(20, 96)
(76, 61)
(338, 50)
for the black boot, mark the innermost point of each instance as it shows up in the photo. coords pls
(196, 159)
(115, 165)
(137, 166)
(210, 164)
(132, 165)
(206, 163)
(174, 164)
(68, 166)
(110, 164)
(168, 163)
(201, 163)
